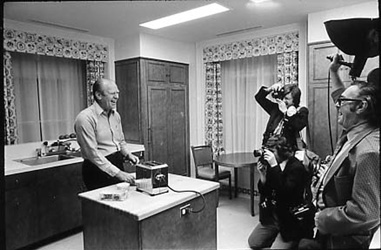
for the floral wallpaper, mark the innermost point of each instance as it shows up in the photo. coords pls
(20, 41)
(213, 107)
(283, 43)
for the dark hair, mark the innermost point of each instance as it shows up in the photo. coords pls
(295, 93)
(374, 77)
(370, 92)
(285, 149)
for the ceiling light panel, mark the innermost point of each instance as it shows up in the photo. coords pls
(185, 16)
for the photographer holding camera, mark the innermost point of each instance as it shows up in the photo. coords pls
(281, 186)
(287, 118)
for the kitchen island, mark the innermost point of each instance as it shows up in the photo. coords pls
(153, 222)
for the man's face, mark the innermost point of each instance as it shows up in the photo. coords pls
(288, 100)
(347, 107)
(109, 96)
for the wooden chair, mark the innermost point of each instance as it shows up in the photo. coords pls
(204, 166)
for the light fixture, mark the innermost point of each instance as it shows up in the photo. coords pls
(185, 16)
(259, 1)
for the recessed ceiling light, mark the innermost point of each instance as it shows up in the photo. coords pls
(259, 1)
(185, 16)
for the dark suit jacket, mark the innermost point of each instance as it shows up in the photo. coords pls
(291, 128)
(289, 186)
(352, 193)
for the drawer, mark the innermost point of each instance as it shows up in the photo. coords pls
(20, 180)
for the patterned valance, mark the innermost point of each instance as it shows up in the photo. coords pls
(20, 41)
(278, 44)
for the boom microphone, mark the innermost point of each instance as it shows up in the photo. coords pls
(350, 65)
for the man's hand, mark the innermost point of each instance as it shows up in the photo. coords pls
(334, 66)
(317, 224)
(261, 168)
(276, 87)
(270, 158)
(123, 176)
(133, 158)
(281, 105)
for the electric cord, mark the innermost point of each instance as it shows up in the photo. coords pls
(329, 112)
(186, 191)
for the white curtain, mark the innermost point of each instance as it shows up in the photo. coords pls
(50, 92)
(244, 120)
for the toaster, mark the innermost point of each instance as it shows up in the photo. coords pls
(152, 177)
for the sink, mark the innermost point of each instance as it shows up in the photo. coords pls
(33, 161)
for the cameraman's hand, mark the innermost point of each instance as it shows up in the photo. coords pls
(334, 66)
(270, 158)
(276, 87)
(281, 105)
(261, 167)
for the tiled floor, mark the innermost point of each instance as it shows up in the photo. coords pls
(234, 224)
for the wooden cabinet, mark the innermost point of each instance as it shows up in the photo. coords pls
(59, 206)
(21, 212)
(43, 203)
(322, 110)
(154, 108)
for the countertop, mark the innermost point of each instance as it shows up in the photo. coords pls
(140, 205)
(26, 150)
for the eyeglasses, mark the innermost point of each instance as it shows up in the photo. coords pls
(342, 99)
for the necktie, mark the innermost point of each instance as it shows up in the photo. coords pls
(318, 186)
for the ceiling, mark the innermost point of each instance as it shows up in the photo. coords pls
(118, 19)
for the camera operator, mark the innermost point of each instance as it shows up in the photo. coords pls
(281, 186)
(287, 118)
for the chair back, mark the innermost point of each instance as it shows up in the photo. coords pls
(203, 156)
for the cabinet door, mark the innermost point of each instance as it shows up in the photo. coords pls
(178, 134)
(129, 104)
(321, 119)
(179, 119)
(59, 206)
(21, 217)
(319, 64)
(158, 126)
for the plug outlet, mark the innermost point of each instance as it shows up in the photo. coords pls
(184, 210)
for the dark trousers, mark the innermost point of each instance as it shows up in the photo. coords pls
(94, 177)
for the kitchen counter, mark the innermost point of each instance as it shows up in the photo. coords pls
(26, 150)
(140, 206)
(152, 222)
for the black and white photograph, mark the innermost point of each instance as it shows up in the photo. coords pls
(191, 124)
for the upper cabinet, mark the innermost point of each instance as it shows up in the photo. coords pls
(154, 109)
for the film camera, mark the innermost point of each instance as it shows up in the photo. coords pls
(278, 94)
(259, 153)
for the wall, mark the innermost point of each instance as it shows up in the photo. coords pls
(316, 28)
(65, 33)
(127, 47)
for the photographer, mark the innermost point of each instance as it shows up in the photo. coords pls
(281, 187)
(286, 117)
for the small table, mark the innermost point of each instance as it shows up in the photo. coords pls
(238, 160)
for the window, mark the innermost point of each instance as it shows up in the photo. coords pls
(50, 92)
